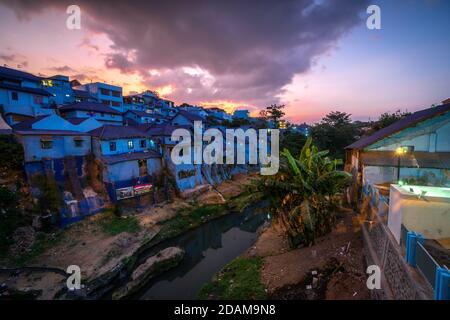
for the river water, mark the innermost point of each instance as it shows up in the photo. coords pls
(208, 249)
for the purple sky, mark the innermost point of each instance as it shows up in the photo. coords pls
(314, 56)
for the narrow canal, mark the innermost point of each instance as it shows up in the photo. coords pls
(208, 249)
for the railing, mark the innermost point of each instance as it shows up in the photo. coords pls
(418, 256)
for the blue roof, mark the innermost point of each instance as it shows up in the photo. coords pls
(27, 124)
(89, 106)
(141, 113)
(163, 129)
(109, 132)
(17, 74)
(37, 91)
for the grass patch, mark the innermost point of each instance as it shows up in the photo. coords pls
(238, 280)
(188, 218)
(113, 225)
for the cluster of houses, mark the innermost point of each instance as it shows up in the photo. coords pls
(64, 124)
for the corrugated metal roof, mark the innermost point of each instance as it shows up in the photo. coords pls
(404, 123)
(89, 106)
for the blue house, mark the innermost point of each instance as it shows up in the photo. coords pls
(60, 89)
(98, 111)
(142, 117)
(185, 118)
(107, 94)
(130, 159)
(22, 96)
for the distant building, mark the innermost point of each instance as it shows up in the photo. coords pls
(241, 114)
(98, 111)
(143, 117)
(219, 114)
(303, 128)
(22, 96)
(107, 94)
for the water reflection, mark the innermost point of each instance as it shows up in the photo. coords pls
(208, 248)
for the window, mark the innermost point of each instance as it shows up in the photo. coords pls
(14, 96)
(112, 146)
(102, 114)
(115, 93)
(46, 144)
(105, 102)
(143, 143)
(115, 104)
(104, 92)
(130, 144)
(78, 142)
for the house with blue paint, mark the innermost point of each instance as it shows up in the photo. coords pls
(60, 89)
(98, 111)
(187, 176)
(22, 96)
(130, 159)
(185, 118)
(143, 117)
(107, 94)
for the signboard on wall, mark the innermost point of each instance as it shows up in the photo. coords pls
(124, 193)
(142, 189)
(130, 192)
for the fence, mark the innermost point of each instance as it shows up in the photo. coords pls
(418, 256)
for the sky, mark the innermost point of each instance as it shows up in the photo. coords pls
(314, 56)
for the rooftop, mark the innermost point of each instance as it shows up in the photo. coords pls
(404, 123)
(109, 132)
(89, 106)
(6, 72)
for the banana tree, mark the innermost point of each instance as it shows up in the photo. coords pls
(303, 193)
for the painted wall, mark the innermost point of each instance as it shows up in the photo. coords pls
(61, 146)
(26, 103)
(122, 146)
(180, 120)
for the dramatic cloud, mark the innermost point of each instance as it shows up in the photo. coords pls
(243, 51)
(62, 69)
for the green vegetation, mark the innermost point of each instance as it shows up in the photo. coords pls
(239, 280)
(112, 224)
(188, 218)
(304, 194)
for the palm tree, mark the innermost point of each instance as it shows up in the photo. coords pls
(304, 193)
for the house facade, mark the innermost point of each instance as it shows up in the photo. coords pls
(107, 94)
(98, 111)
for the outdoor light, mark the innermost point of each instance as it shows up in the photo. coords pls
(399, 152)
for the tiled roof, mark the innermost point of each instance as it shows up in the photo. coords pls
(163, 129)
(17, 74)
(89, 106)
(108, 132)
(404, 123)
(37, 91)
(111, 159)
